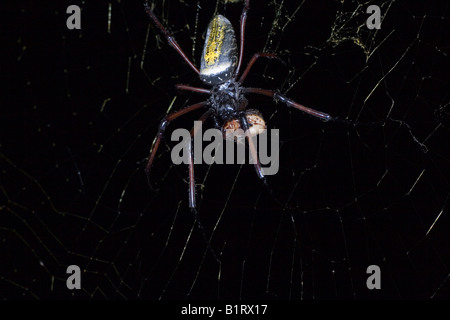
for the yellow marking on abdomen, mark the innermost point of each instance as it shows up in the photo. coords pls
(215, 42)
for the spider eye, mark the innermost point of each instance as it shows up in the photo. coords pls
(219, 57)
(232, 129)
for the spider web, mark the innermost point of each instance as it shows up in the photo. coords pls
(80, 110)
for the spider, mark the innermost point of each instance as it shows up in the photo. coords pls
(227, 105)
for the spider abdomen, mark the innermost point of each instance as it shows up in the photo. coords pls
(220, 54)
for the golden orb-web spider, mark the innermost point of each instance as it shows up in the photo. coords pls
(220, 68)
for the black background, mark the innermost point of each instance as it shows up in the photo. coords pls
(79, 114)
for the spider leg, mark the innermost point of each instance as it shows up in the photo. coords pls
(252, 61)
(192, 202)
(279, 97)
(193, 89)
(242, 36)
(169, 38)
(257, 164)
(245, 126)
(162, 127)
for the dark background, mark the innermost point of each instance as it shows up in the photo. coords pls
(80, 109)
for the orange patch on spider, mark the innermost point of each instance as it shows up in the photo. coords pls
(256, 123)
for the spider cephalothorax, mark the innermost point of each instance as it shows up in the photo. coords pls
(227, 99)
(220, 68)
